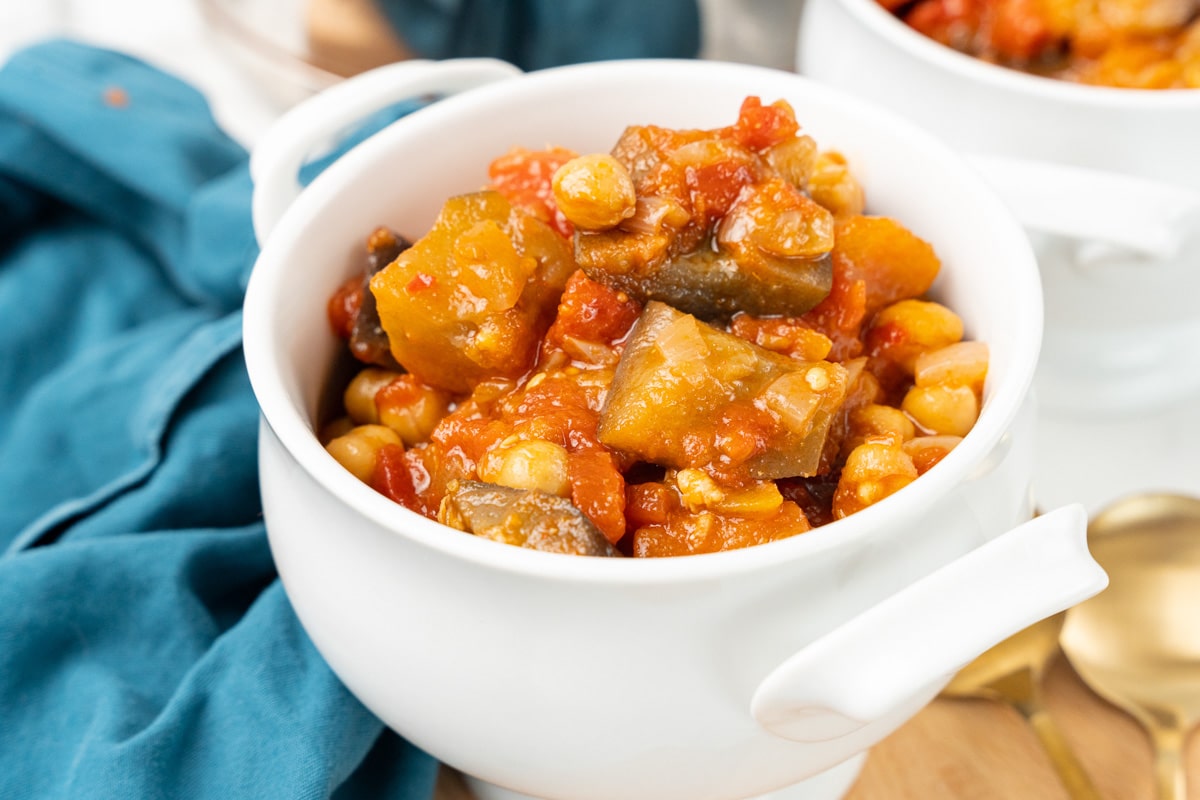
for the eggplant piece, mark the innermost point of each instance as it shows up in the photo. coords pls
(368, 342)
(714, 285)
(681, 384)
(768, 256)
(523, 517)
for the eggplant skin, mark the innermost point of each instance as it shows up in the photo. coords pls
(712, 286)
(716, 230)
(368, 342)
(679, 377)
(523, 517)
(708, 283)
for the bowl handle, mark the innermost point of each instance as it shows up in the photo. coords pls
(286, 146)
(901, 652)
(1102, 210)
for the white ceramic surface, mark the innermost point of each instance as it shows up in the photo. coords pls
(1120, 318)
(579, 678)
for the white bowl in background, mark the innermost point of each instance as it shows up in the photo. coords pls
(1105, 179)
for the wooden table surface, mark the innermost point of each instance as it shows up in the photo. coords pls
(982, 750)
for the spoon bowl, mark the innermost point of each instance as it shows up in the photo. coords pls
(1028, 651)
(1011, 672)
(1137, 644)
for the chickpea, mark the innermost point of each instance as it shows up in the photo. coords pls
(359, 397)
(411, 408)
(335, 428)
(961, 364)
(915, 327)
(594, 192)
(874, 422)
(943, 409)
(533, 464)
(832, 185)
(358, 449)
(795, 158)
(873, 471)
(929, 450)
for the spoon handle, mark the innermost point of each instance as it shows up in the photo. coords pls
(1074, 779)
(1168, 762)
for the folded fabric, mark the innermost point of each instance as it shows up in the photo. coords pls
(146, 647)
(543, 33)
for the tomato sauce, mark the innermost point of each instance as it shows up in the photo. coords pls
(670, 432)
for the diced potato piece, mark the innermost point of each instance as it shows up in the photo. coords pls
(679, 377)
(894, 263)
(526, 518)
(472, 297)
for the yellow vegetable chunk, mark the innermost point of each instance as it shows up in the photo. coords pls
(471, 298)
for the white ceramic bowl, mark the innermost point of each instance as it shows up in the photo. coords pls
(1105, 179)
(709, 677)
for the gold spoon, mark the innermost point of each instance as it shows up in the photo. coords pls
(1137, 643)
(1011, 672)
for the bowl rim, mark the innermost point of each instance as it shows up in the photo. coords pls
(886, 25)
(289, 425)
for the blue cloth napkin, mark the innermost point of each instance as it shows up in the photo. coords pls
(147, 649)
(544, 33)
